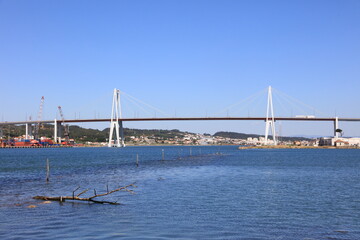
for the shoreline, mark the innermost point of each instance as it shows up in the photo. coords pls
(36, 146)
(241, 147)
(294, 147)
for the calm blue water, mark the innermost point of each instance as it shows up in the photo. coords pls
(216, 193)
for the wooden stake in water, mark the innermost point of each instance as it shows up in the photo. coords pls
(163, 154)
(137, 160)
(190, 151)
(47, 170)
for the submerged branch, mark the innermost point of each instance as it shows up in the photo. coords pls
(82, 192)
(88, 199)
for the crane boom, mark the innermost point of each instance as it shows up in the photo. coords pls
(66, 130)
(37, 127)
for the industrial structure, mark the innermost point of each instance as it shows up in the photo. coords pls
(37, 126)
(66, 129)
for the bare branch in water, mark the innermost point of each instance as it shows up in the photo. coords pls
(88, 199)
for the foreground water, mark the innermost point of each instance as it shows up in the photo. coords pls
(194, 193)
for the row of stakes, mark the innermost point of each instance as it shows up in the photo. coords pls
(137, 162)
(162, 156)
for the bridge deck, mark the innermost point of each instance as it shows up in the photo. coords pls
(187, 119)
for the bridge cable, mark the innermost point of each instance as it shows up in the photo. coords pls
(136, 104)
(250, 99)
(148, 105)
(298, 101)
(281, 104)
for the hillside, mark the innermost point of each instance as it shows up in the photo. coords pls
(235, 135)
(94, 135)
(91, 135)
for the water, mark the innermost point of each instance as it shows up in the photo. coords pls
(216, 193)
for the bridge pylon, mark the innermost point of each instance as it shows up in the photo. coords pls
(116, 123)
(270, 121)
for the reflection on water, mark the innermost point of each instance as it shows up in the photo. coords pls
(214, 193)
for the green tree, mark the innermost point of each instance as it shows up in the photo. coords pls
(339, 131)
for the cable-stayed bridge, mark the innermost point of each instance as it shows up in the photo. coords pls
(116, 121)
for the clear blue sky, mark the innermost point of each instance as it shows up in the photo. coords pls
(189, 58)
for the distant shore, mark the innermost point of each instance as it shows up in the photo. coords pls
(294, 147)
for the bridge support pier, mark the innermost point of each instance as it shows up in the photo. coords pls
(116, 124)
(28, 130)
(122, 139)
(119, 135)
(336, 126)
(57, 131)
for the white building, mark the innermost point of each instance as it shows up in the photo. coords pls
(340, 142)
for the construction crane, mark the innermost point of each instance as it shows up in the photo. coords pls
(66, 127)
(37, 127)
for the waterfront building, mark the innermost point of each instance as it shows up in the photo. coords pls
(339, 142)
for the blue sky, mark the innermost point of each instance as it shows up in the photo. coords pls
(187, 58)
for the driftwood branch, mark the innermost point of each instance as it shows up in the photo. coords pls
(75, 191)
(88, 199)
(82, 192)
